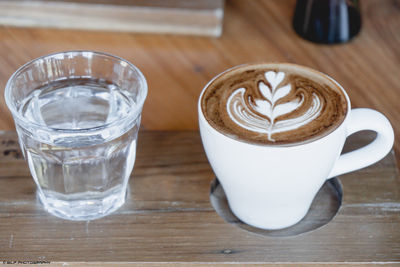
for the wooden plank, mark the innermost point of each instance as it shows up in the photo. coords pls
(177, 16)
(187, 4)
(168, 217)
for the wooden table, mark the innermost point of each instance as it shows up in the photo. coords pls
(177, 67)
(168, 217)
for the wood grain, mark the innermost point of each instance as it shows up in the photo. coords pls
(177, 67)
(175, 16)
(168, 217)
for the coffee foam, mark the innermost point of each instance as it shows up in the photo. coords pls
(274, 104)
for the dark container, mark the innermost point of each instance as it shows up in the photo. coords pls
(327, 21)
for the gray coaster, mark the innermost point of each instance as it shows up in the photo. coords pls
(324, 207)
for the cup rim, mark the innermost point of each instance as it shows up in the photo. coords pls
(323, 75)
(131, 115)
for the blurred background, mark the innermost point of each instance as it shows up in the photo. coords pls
(180, 45)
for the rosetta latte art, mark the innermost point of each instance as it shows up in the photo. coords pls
(265, 115)
(274, 104)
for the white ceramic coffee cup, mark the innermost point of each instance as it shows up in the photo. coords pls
(272, 187)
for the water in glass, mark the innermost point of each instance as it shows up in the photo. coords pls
(82, 175)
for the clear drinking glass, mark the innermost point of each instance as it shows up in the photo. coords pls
(77, 115)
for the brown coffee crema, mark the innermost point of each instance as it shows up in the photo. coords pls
(274, 104)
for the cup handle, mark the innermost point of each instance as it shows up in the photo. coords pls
(365, 119)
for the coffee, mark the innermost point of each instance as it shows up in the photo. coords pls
(274, 104)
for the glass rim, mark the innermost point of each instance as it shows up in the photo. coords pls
(143, 87)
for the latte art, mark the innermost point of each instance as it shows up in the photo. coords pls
(262, 115)
(275, 104)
